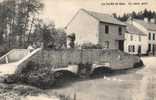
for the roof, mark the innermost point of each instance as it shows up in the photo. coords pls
(134, 30)
(147, 25)
(104, 18)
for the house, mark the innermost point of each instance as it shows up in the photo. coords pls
(97, 28)
(136, 41)
(148, 28)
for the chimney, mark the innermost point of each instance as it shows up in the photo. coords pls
(152, 20)
(146, 19)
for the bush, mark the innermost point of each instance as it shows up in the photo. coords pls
(84, 70)
(138, 64)
(4, 49)
(16, 91)
(91, 46)
(34, 74)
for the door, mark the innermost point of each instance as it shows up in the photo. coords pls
(121, 45)
(139, 50)
(153, 49)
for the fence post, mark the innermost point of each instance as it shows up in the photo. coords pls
(81, 56)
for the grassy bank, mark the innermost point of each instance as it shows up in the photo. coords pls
(24, 92)
(16, 92)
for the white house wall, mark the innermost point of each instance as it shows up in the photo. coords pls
(85, 27)
(152, 41)
(146, 31)
(136, 43)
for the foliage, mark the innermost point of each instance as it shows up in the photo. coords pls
(17, 21)
(91, 46)
(33, 74)
(60, 40)
(50, 36)
(15, 92)
(72, 38)
(84, 70)
(20, 25)
(138, 15)
(138, 64)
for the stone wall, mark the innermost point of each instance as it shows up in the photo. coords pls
(116, 58)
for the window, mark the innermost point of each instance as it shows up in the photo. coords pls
(149, 36)
(139, 38)
(131, 37)
(153, 36)
(149, 47)
(106, 29)
(139, 48)
(131, 48)
(153, 47)
(120, 30)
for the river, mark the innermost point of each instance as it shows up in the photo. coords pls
(138, 84)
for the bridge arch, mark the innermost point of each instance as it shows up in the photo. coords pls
(63, 74)
(101, 70)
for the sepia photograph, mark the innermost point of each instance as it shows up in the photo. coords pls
(77, 49)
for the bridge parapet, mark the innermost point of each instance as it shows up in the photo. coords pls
(65, 57)
(15, 60)
(13, 56)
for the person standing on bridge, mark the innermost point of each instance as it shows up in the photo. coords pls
(30, 48)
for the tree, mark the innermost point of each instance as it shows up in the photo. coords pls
(145, 13)
(28, 10)
(134, 14)
(72, 38)
(138, 15)
(17, 17)
(90, 45)
(7, 13)
(50, 36)
(114, 15)
(61, 39)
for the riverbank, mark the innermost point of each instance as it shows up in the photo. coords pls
(66, 89)
(24, 92)
(17, 92)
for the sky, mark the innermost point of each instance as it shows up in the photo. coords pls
(61, 11)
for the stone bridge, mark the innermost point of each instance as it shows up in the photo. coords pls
(15, 59)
